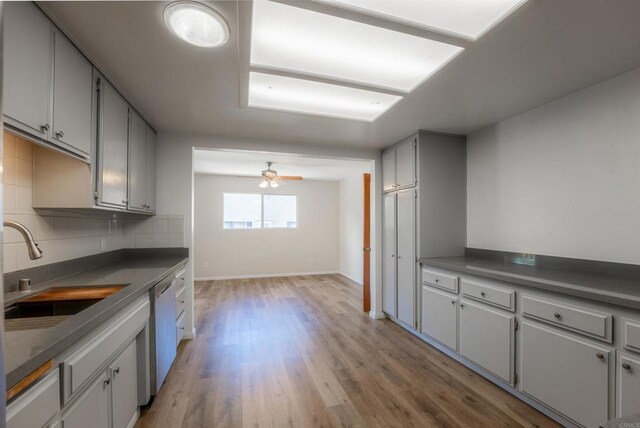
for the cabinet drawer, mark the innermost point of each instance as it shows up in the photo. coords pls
(497, 296)
(181, 297)
(179, 329)
(37, 405)
(87, 360)
(440, 279)
(586, 321)
(631, 334)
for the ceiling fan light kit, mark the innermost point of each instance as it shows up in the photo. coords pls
(271, 178)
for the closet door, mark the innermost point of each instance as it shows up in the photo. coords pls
(389, 170)
(406, 256)
(389, 254)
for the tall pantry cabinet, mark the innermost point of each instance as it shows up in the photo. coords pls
(424, 215)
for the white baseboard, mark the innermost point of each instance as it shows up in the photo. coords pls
(377, 315)
(267, 275)
(190, 334)
(350, 277)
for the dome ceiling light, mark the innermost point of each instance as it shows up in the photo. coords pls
(196, 24)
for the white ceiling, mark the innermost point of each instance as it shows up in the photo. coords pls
(251, 164)
(546, 50)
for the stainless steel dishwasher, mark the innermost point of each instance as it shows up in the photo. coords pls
(163, 331)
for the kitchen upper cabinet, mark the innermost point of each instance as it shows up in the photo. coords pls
(27, 58)
(47, 81)
(566, 373)
(112, 147)
(137, 162)
(406, 164)
(628, 385)
(92, 408)
(487, 338)
(389, 254)
(440, 316)
(389, 169)
(406, 256)
(151, 169)
(124, 388)
(399, 166)
(72, 92)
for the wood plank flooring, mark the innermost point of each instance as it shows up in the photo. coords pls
(299, 352)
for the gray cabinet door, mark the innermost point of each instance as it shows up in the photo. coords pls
(568, 374)
(92, 408)
(72, 92)
(389, 169)
(487, 338)
(406, 164)
(440, 316)
(27, 71)
(389, 254)
(628, 385)
(137, 162)
(112, 147)
(151, 170)
(406, 256)
(124, 390)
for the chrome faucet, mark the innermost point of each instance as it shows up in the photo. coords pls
(32, 247)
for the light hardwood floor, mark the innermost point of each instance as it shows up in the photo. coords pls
(299, 352)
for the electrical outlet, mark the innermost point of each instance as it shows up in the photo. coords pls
(103, 245)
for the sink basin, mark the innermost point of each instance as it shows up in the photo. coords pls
(53, 305)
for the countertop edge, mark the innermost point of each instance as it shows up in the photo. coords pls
(19, 373)
(600, 296)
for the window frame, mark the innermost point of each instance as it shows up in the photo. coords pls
(262, 195)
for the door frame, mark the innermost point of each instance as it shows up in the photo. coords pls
(366, 245)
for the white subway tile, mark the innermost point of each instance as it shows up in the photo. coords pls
(24, 149)
(144, 241)
(160, 240)
(144, 226)
(9, 194)
(9, 169)
(24, 203)
(9, 257)
(24, 172)
(129, 241)
(176, 240)
(45, 227)
(160, 225)
(176, 225)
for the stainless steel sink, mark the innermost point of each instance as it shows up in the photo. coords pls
(51, 306)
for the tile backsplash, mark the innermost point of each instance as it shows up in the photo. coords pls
(64, 235)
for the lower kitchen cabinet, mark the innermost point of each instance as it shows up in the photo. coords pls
(124, 388)
(487, 337)
(92, 408)
(566, 373)
(111, 401)
(628, 385)
(440, 316)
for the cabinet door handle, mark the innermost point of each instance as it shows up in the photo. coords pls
(44, 127)
(399, 257)
(626, 366)
(106, 382)
(116, 370)
(453, 302)
(556, 315)
(600, 355)
(59, 134)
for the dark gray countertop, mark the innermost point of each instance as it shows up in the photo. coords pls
(605, 286)
(26, 350)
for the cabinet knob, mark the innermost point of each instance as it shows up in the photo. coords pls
(59, 134)
(626, 366)
(461, 305)
(482, 293)
(557, 315)
(116, 370)
(44, 127)
(600, 355)
(393, 255)
(453, 302)
(437, 280)
(124, 201)
(106, 382)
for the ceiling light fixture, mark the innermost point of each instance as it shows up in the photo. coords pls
(317, 98)
(467, 19)
(196, 24)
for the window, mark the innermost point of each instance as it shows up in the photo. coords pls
(254, 211)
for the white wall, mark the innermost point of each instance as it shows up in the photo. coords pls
(351, 227)
(312, 247)
(175, 189)
(562, 179)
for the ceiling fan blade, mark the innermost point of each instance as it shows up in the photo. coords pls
(290, 177)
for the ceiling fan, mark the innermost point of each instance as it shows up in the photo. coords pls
(271, 178)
